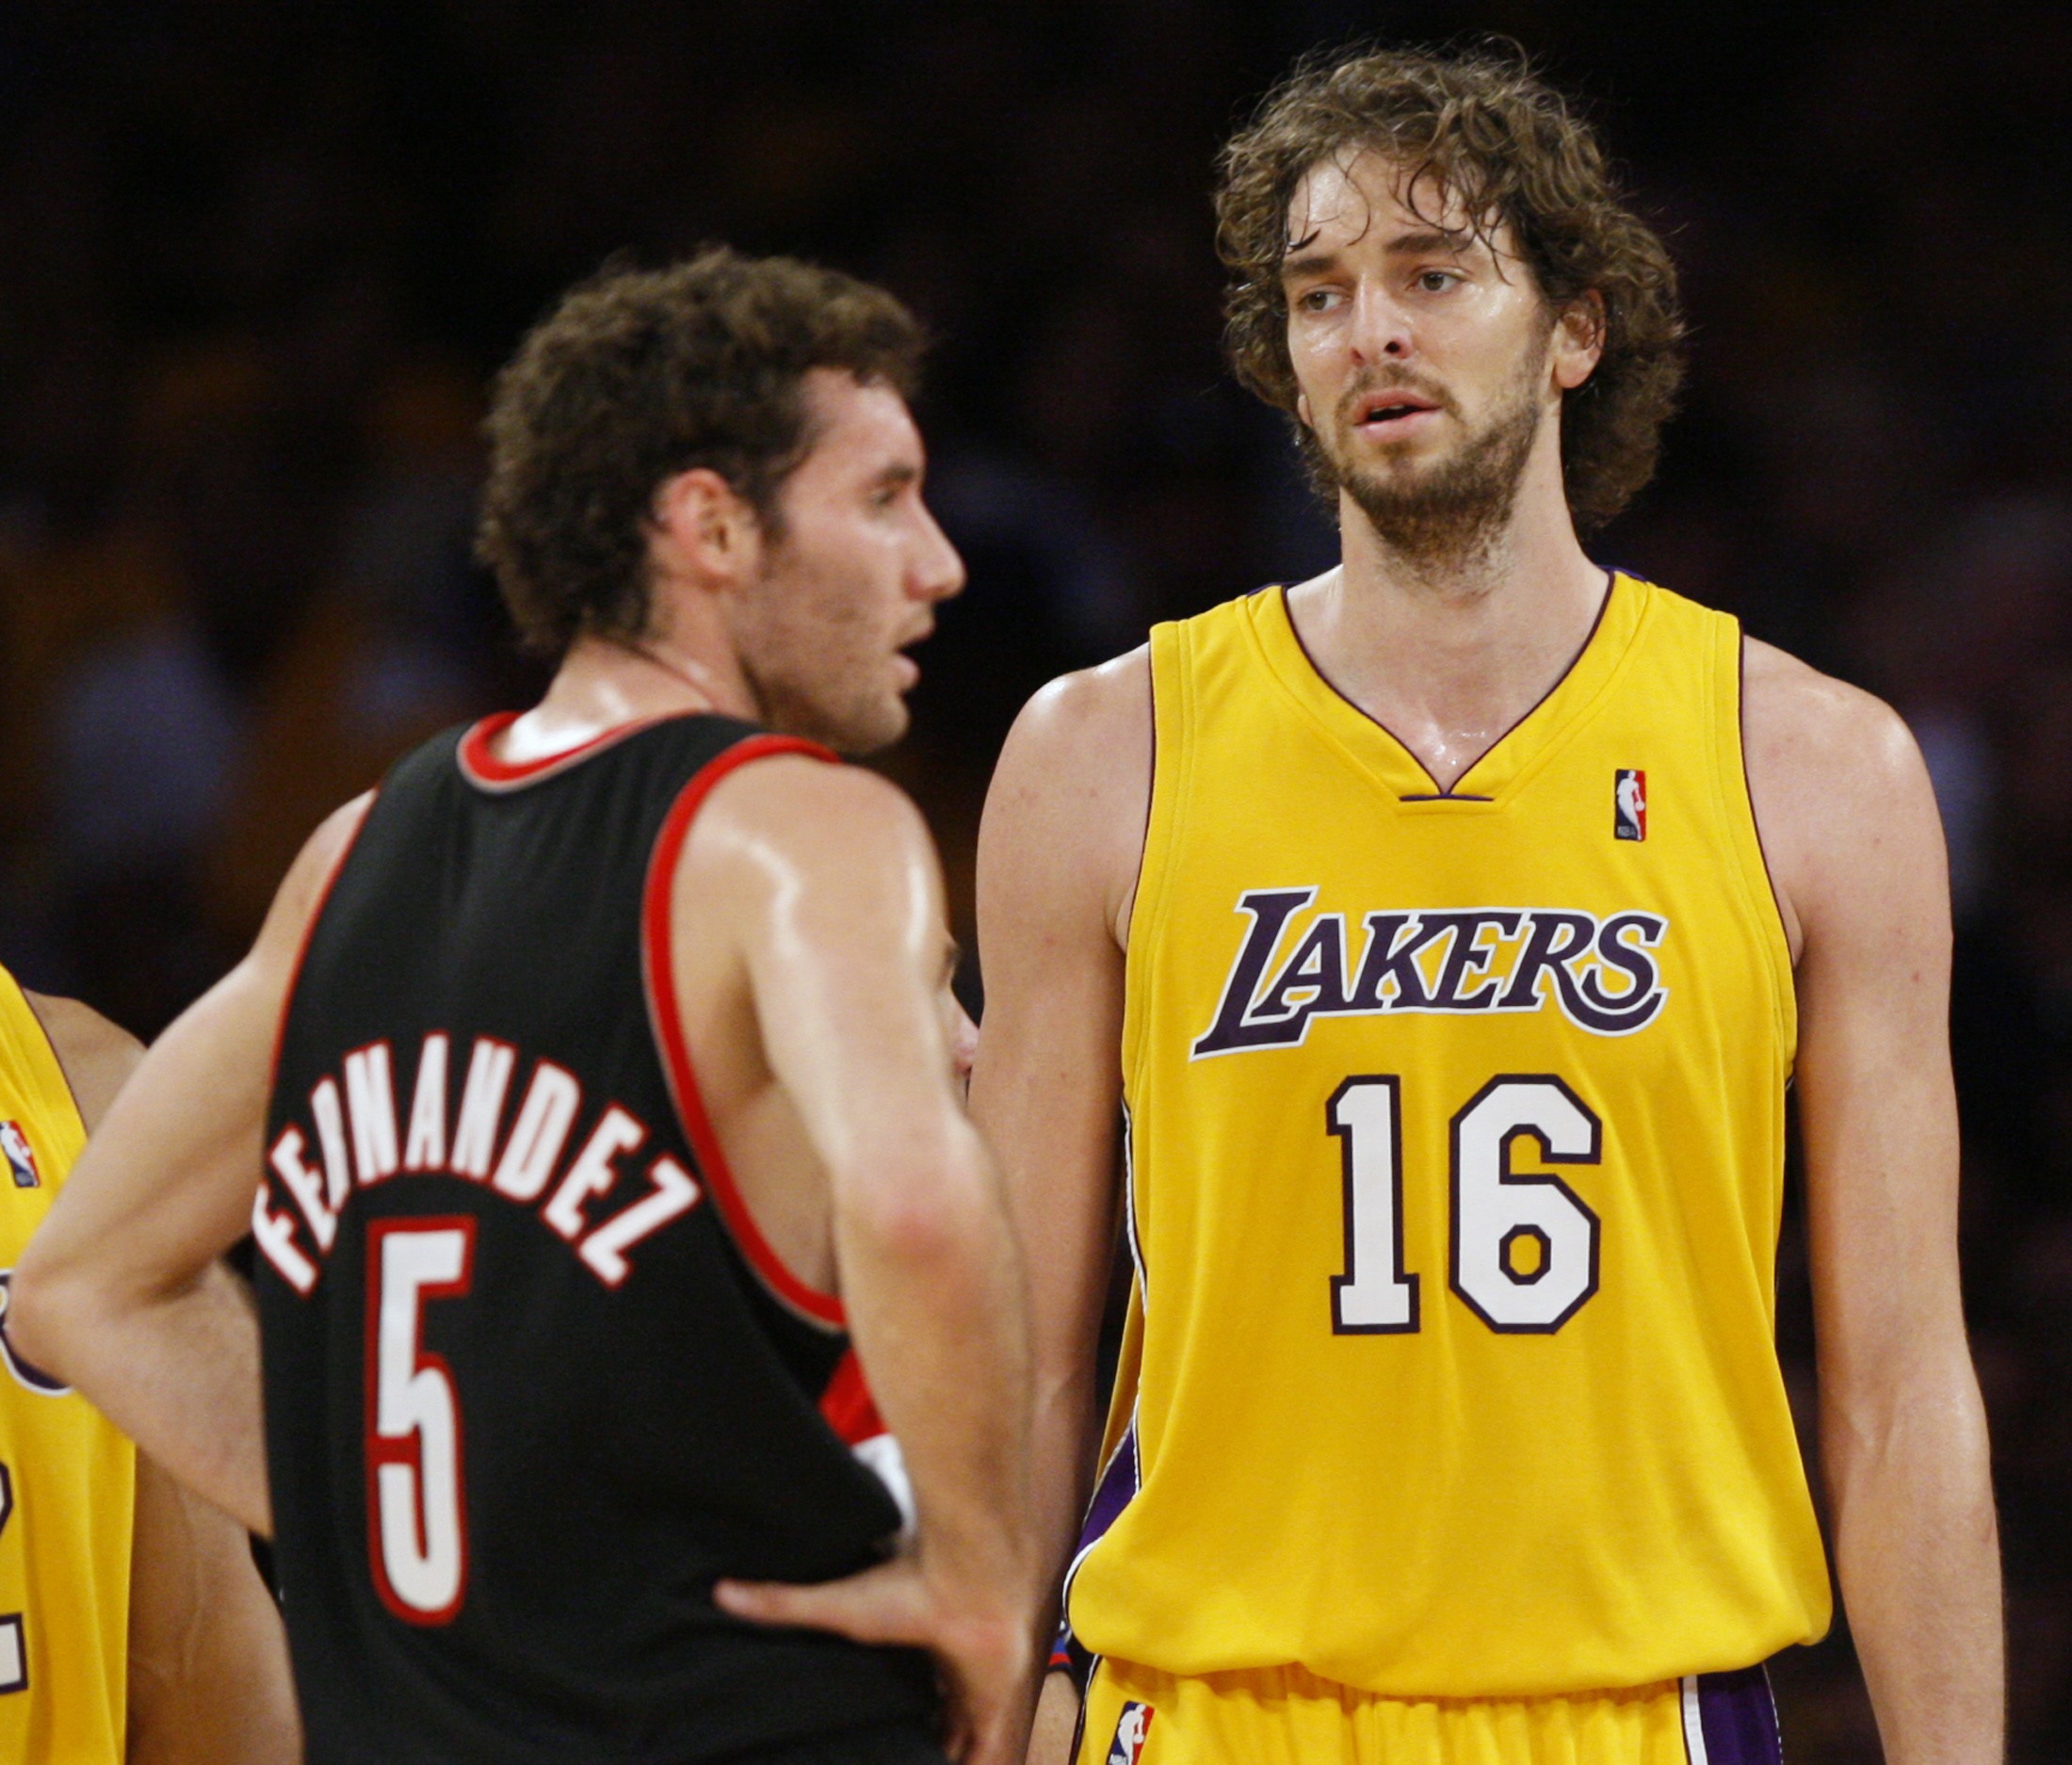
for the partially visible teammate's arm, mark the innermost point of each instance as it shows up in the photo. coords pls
(1850, 823)
(826, 881)
(1058, 858)
(208, 1661)
(120, 1293)
(208, 1669)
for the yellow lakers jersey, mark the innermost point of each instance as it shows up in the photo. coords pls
(1456, 1136)
(67, 1478)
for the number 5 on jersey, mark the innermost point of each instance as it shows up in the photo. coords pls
(1524, 1246)
(416, 1516)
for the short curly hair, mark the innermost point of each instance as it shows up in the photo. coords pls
(640, 374)
(1483, 129)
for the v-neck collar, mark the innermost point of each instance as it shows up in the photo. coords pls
(1507, 760)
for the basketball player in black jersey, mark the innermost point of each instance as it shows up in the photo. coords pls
(595, 1078)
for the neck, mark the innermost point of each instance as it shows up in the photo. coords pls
(1448, 652)
(604, 684)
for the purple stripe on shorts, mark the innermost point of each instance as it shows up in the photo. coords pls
(1739, 1718)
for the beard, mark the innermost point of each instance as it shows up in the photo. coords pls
(825, 706)
(814, 659)
(1452, 511)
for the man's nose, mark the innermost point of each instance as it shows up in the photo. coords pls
(1381, 326)
(938, 572)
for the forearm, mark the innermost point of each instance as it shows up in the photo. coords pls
(935, 1300)
(1063, 1443)
(1917, 1550)
(208, 1666)
(177, 1372)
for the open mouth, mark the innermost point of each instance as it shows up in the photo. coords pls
(1381, 412)
(907, 670)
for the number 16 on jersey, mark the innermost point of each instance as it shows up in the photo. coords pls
(1524, 1245)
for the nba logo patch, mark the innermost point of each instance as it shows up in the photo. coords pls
(1630, 804)
(1131, 1728)
(20, 1155)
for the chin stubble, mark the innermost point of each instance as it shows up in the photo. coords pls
(1453, 514)
(816, 709)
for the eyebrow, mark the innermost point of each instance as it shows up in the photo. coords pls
(900, 472)
(1307, 263)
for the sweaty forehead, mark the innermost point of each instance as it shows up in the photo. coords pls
(1360, 194)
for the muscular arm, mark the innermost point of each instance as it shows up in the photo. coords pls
(120, 1294)
(827, 885)
(1850, 823)
(1057, 857)
(208, 1669)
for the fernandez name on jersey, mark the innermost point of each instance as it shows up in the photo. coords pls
(530, 1155)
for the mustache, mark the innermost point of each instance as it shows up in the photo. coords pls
(1372, 385)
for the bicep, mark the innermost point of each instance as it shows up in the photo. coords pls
(827, 888)
(1877, 1103)
(172, 1167)
(166, 1181)
(1046, 1084)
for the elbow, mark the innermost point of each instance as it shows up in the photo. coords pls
(36, 1318)
(929, 1217)
(1927, 1425)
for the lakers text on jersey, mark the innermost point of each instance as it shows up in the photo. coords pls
(1456, 1131)
(67, 1481)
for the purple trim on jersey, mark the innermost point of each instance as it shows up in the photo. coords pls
(1119, 1484)
(1117, 1487)
(1739, 1718)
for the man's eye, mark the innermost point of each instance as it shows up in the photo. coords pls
(1437, 281)
(1315, 300)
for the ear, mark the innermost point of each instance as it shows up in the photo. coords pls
(699, 527)
(1301, 410)
(1578, 340)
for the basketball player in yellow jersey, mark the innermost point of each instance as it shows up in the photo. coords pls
(132, 1623)
(1419, 916)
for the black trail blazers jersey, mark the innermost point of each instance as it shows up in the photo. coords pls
(532, 1379)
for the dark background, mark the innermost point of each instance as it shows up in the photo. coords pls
(257, 261)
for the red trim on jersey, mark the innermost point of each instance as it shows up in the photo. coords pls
(301, 948)
(667, 1021)
(847, 1405)
(479, 764)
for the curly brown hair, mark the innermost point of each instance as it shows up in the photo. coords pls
(640, 374)
(1481, 128)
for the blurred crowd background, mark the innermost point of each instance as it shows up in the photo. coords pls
(258, 259)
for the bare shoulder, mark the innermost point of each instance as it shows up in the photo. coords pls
(1090, 726)
(97, 1056)
(1841, 797)
(1066, 812)
(1798, 717)
(804, 810)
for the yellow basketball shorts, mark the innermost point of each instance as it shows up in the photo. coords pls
(1288, 1716)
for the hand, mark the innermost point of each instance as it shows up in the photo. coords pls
(1057, 1722)
(983, 1644)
